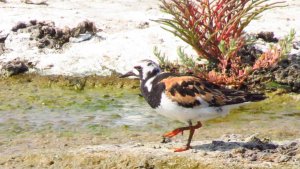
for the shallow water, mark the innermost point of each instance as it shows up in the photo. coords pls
(31, 108)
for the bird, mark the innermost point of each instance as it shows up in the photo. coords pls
(186, 98)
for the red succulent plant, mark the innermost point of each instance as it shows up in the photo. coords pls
(215, 30)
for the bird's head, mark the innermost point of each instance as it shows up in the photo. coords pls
(144, 70)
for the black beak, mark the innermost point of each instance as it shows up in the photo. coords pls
(128, 74)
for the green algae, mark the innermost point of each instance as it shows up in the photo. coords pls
(115, 116)
(275, 86)
(275, 118)
(111, 108)
(42, 100)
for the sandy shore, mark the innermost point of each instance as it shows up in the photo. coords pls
(229, 151)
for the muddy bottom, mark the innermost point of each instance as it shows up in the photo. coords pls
(44, 120)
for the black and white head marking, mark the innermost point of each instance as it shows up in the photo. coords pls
(147, 69)
(149, 74)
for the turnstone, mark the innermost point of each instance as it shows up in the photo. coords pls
(185, 98)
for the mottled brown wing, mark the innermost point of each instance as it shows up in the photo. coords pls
(186, 91)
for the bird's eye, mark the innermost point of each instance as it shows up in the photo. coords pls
(149, 64)
(138, 67)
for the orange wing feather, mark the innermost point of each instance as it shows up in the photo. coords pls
(186, 90)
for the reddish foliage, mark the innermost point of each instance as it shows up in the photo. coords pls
(214, 28)
(235, 80)
(267, 59)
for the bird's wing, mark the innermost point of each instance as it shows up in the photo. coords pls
(190, 91)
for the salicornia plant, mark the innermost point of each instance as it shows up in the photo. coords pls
(215, 30)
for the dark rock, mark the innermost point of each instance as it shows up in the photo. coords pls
(218, 143)
(51, 162)
(249, 54)
(49, 31)
(143, 25)
(3, 37)
(286, 74)
(284, 63)
(76, 31)
(256, 143)
(58, 33)
(2, 48)
(43, 43)
(90, 27)
(83, 27)
(267, 37)
(296, 45)
(20, 25)
(48, 35)
(33, 22)
(293, 144)
(2, 40)
(15, 67)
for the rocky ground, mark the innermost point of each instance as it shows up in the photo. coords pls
(285, 75)
(229, 151)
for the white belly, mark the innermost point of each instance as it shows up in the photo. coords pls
(172, 110)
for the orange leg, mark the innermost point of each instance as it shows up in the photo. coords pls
(175, 132)
(180, 130)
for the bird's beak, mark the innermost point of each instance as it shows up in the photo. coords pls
(131, 73)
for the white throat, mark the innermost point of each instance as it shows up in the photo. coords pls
(148, 83)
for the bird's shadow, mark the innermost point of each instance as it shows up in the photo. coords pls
(228, 146)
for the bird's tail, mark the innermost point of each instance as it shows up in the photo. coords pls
(242, 96)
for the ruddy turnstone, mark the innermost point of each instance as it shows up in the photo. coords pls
(186, 98)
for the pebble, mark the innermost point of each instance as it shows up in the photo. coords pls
(143, 25)
(253, 157)
(81, 38)
(51, 162)
(282, 158)
(157, 147)
(138, 145)
(240, 150)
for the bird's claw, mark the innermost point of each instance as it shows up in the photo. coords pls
(182, 149)
(166, 140)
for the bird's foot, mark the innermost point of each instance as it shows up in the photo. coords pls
(182, 149)
(173, 133)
